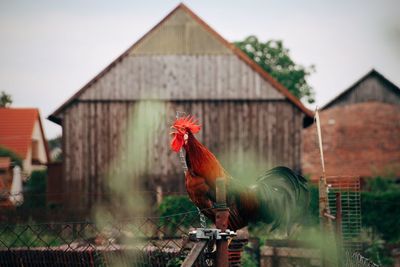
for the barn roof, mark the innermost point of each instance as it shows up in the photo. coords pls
(229, 47)
(369, 74)
(16, 129)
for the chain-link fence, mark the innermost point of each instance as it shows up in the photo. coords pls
(134, 242)
(156, 239)
(33, 236)
(42, 236)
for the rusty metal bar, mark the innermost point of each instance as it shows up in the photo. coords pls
(221, 222)
(338, 228)
(197, 249)
(339, 214)
(324, 221)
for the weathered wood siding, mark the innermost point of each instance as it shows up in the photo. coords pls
(180, 34)
(93, 136)
(247, 118)
(373, 88)
(185, 77)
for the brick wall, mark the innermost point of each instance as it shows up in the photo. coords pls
(361, 139)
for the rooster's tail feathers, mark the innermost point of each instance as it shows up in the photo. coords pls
(283, 196)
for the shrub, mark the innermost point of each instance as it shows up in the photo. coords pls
(4, 152)
(313, 214)
(174, 212)
(35, 190)
(381, 212)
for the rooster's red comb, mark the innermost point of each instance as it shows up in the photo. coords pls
(188, 122)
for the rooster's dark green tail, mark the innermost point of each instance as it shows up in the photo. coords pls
(283, 197)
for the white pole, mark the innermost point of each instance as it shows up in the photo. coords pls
(16, 196)
(321, 151)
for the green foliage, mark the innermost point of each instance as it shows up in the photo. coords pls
(381, 212)
(177, 206)
(176, 261)
(313, 215)
(381, 208)
(55, 142)
(4, 152)
(274, 58)
(5, 99)
(376, 250)
(263, 232)
(380, 184)
(248, 260)
(20, 235)
(35, 190)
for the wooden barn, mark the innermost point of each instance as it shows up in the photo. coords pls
(361, 131)
(189, 67)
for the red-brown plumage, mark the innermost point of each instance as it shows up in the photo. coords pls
(279, 185)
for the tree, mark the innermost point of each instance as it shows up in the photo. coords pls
(15, 159)
(274, 58)
(5, 99)
(55, 142)
(55, 146)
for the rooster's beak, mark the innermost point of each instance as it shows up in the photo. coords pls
(174, 130)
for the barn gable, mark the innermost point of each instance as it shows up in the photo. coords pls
(245, 113)
(180, 34)
(371, 87)
(182, 58)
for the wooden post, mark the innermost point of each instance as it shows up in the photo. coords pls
(221, 222)
(324, 221)
(324, 212)
(194, 254)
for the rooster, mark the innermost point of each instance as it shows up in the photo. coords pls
(279, 196)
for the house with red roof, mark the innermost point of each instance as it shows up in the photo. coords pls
(21, 131)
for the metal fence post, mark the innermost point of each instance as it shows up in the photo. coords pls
(338, 230)
(221, 222)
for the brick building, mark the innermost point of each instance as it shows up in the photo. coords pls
(360, 129)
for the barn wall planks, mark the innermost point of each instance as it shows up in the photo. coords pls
(181, 77)
(373, 88)
(95, 136)
(180, 34)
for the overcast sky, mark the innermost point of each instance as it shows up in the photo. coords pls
(50, 49)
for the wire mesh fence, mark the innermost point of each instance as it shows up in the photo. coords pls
(355, 259)
(35, 237)
(347, 189)
(134, 242)
(151, 240)
(42, 236)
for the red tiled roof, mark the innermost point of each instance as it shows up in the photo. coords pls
(16, 127)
